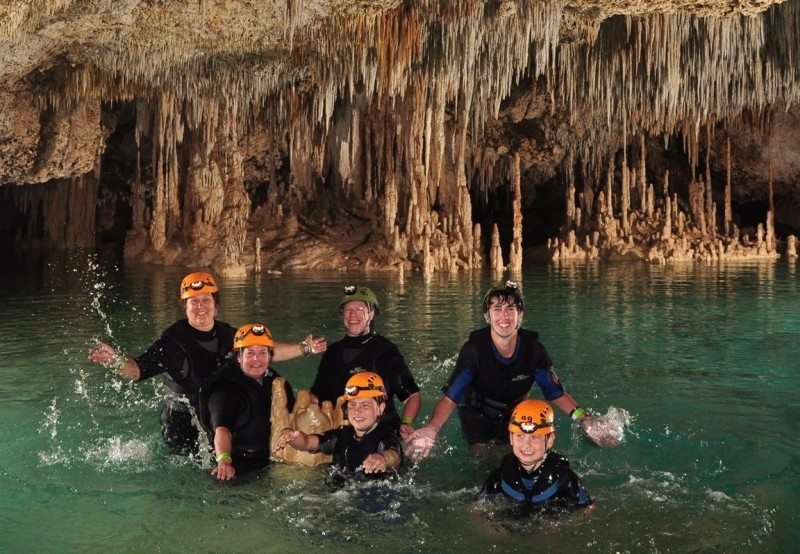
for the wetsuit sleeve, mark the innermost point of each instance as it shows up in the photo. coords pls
(401, 382)
(572, 489)
(545, 375)
(224, 409)
(492, 484)
(325, 380)
(391, 442)
(164, 355)
(463, 373)
(327, 441)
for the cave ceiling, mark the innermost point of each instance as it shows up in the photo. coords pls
(393, 99)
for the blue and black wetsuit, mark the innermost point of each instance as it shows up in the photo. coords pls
(242, 405)
(188, 357)
(552, 485)
(370, 352)
(486, 386)
(349, 451)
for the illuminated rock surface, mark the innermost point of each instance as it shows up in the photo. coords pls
(397, 135)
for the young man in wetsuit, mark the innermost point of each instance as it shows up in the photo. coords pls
(495, 370)
(533, 475)
(362, 349)
(368, 444)
(235, 404)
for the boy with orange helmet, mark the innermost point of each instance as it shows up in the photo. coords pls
(533, 474)
(367, 444)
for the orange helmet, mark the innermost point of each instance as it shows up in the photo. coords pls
(534, 417)
(364, 385)
(253, 334)
(196, 283)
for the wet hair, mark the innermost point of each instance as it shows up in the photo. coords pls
(504, 296)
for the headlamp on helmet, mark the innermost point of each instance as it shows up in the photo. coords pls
(365, 385)
(532, 417)
(253, 334)
(360, 294)
(197, 283)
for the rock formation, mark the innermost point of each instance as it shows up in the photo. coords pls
(398, 135)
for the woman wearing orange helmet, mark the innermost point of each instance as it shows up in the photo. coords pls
(235, 404)
(368, 444)
(533, 475)
(188, 352)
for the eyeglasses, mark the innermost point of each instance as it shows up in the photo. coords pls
(355, 310)
(354, 390)
(197, 285)
(528, 427)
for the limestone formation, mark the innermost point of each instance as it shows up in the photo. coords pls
(347, 134)
(306, 417)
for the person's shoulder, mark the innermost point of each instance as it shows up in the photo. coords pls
(178, 326)
(529, 335)
(556, 461)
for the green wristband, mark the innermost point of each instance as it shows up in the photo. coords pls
(222, 456)
(577, 413)
(408, 420)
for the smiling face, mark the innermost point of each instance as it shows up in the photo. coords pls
(530, 449)
(357, 317)
(504, 318)
(363, 413)
(255, 360)
(200, 311)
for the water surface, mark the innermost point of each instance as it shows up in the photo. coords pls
(703, 359)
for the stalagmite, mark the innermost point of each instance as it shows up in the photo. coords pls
(728, 208)
(515, 249)
(791, 246)
(496, 253)
(770, 238)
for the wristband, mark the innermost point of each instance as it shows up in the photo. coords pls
(408, 420)
(306, 348)
(222, 456)
(577, 413)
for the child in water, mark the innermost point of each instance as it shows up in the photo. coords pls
(533, 475)
(366, 444)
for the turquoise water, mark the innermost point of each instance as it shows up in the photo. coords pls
(702, 360)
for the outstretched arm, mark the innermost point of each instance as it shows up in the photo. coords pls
(223, 442)
(290, 350)
(297, 440)
(105, 354)
(420, 442)
(596, 428)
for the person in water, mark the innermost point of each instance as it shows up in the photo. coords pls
(533, 474)
(367, 444)
(188, 352)
(362, 349)
(495, 370)
(236, 401)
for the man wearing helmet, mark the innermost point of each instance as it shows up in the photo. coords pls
(236, 401)
(368, 444)
(362, 349)
(495, 370)
(188, 352)
(533, 474)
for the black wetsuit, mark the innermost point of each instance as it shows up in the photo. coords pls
(243, 405)
(486, 386)
(553, 484)
(188, 356)
(370, 352)
(349, 452)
